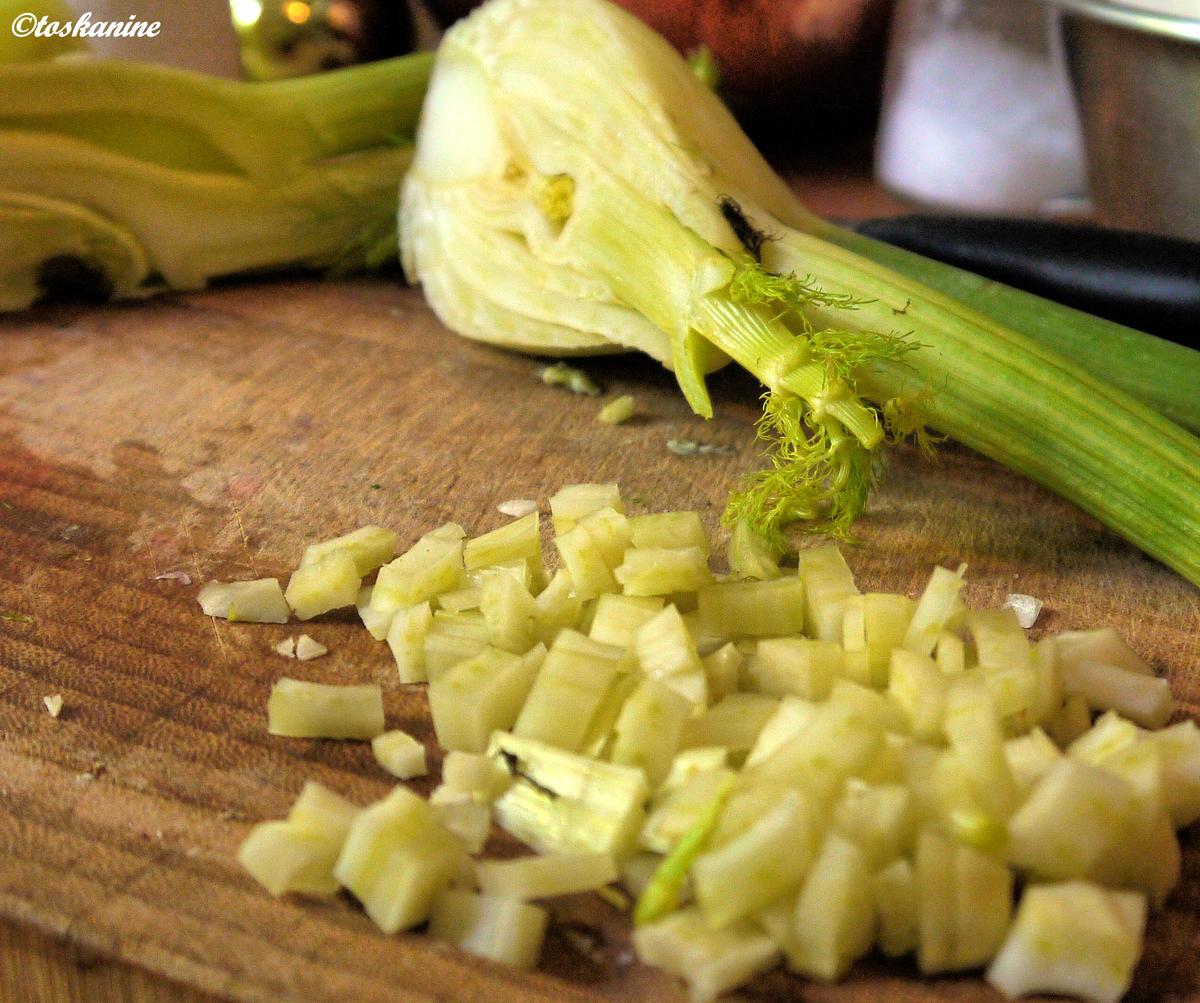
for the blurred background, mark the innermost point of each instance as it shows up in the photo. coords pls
(1043, 108)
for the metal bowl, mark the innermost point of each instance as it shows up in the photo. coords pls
(1136, 77)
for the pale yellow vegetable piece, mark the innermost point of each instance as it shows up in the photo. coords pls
(299, 709)
(555, 607)
(1030, 757)
(286, 647)
(376, 620)
(1180, 748)
(617, 618)
(666, 652)
(400, 754)
(584, 561)
(964, 901)
(750, 555)
(259, 601)
(461, 600)
(872, 625)
(933, 610)
(733, 723)
(543, 877)
(660, 571)
(609, 529)
(433, 565)
(772, 608)
(568, 691)
(669, 529)
(834, 920)
(919, 687)
(329, 582)
(676, 810)
(518, 508)
(977, 742)
(517, 541)
(711, 961)
(1104, 645)
(562, 802)
(507, 609)
(298, 855)
(1073, 939)
(828, 583)
(571, 503)
(452, 638)
(502, 929)
(1000, 641)
(406, 639)
(53, 704)
(766, 861)
(795, 666)
(879, 818)
(470, 821)
(1146, 700)
(722, 670)
(649, 729)
(476, 697)
(475, 776)
(895, 893)
(307, 649)
(397, 859)
(616, 411)
(368, 547)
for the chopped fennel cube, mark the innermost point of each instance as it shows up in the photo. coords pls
(668, 529)
(298, 855)
(259, 601)
(406, 639)
(894, 890)
(1146, 700)
(329, 582)
(666, 652)
(517, 541)
(555, 607)
(584, 560)
(660, 571)
(472, 699)
(571, 503)
(503, 929)
(1179, 746)
(1094, 800)
(597, 742)
(722, 670)
(569, 688)
(676, 810)
(828, 583)
(690, 762)
(733, 723)
(400, 754)
(307, 649)
(470, 821)
(649, 728)
(761, 864)
(546, 877)
(874, 624)
(616, 411)
(461, 600)
(1070, 721)
(1073, 938)
(561, 802)
(1027, 608)
(977, 742)
(368, 547)
(1000, 641)
(964, 901)
(1108, 736)
(834, 921)
(879, 818)
(507, 609)
(1029, 758)
(1103, 645)
(298, 709)
(452, 638)
(933, 610)
(433, 565)
(796, 666)
(773, 608)
(711, 961)
(474, 775)
(397, 859)
(919, 687)
(790, 719)
(609, 530)
(617, 618)
(750, 555)
(377, 621)
(951, 653)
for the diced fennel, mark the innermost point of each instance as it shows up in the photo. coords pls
(617, 411)
(933, 610)
(472, 699)
(470, 821)
(649, 729)
(872, 625)
(834, 921)
(260, 601)
(498, 927)
(1104, 645)
(659, 571)
(329, 582)
(368, 547)
(452, 638)
(796, 666)
(517, 541)
(894, 891)
(732, 723)
(298, 709)
(400, 754)
(567, 692)
(397, 859)
(617, 618)
(665, 651)
(879, 818)
(770, 608)
(544, 877)
(722, 671)
(678, 809)
(609, 530)
(668, 529)
(1146, 700)
(636, 220)
(406, 639)
(562, 802)
(507, 609)
(434, 564)
(1072, 938)
(751, 555)
(828, 583)
(584, 560)
(377, 621)
(571, 503)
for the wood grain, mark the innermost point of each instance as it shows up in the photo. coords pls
(216, 434)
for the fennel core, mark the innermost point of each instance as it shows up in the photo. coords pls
(575, 189)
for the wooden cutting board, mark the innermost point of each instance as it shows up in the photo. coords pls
(213, 436)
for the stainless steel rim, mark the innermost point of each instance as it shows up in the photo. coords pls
(1184, 28)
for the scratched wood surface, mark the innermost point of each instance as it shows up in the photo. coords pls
(215, 434)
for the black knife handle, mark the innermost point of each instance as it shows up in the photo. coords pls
(1143, 280)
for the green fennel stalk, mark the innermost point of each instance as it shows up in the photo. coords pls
(575, 188)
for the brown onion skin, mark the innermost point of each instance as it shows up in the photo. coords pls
(796, 64)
